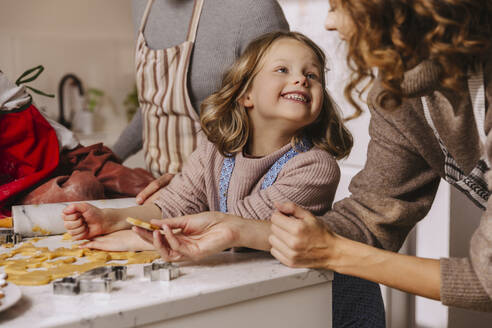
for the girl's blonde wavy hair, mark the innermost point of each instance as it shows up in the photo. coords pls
(225, 121)
(395, 35)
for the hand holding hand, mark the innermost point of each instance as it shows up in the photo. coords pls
(201, 235)
(149, 194)
(85, 221)
(299, 239)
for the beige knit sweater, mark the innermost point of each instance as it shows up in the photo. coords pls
(309, 179)
(404, 165)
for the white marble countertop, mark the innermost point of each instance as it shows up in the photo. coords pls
(220, 280)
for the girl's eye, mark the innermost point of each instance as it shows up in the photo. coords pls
(281, 70)
(312, 76)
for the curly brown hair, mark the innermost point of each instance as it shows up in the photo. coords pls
(395, 35)
(225, 121)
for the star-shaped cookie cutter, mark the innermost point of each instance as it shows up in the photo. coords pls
(98, 280)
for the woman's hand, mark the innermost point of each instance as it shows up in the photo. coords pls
(149, 194)
(201, 235)
(299, 239)
(205, 234)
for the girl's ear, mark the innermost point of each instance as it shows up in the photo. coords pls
(246, 100)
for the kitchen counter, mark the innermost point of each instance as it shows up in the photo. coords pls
(228, 289)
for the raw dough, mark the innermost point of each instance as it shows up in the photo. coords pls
(148, 226)
(67, 236)
(39, 265)
(40, 230)
(142, 224)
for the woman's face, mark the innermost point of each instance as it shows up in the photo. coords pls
(338, 20)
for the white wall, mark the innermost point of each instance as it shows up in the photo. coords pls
(93, 39)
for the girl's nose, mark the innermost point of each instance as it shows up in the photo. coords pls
(301, 79)
(330, 22)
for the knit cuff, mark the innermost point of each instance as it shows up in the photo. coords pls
(160, 201)
(460, 286)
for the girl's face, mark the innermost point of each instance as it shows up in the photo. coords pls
(287, 91)
(338, 20)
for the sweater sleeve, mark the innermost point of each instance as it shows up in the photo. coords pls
(461, 287)
(260, 18)
(393, 191)
(467, 282)
(310, 180)
(130, 140)
(186, 193)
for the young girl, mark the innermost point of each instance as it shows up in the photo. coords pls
(430, 120)
(273, 136)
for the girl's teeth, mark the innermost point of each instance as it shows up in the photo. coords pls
(296, 97)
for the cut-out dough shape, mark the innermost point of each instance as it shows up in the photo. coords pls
(148, 226)
(142, 224)
(39, 265)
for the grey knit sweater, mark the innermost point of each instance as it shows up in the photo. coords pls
(224, 30)
(404, 165)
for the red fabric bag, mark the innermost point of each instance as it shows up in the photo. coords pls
(29, 150)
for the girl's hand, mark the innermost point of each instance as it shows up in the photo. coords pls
(201, 235)
(149, 194)
(119, 241)
(85, 221)
(299, 239)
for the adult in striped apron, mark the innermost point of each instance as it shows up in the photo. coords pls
(473, 185)
(170, 124)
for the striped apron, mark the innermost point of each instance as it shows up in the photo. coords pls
(473, 185)
(170, 124)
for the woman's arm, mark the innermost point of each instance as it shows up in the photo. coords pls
(300, 240)
(130, 140)
(410, 274)
(397, 185)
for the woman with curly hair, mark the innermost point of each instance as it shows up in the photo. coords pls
(429, 120)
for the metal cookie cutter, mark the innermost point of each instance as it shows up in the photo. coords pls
(98, 280)
(9, 236)
(160, 270)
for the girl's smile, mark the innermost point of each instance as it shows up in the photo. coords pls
(298, 96)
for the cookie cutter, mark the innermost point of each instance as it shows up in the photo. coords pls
(98, 280)
(161, 270)
(9, 236)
